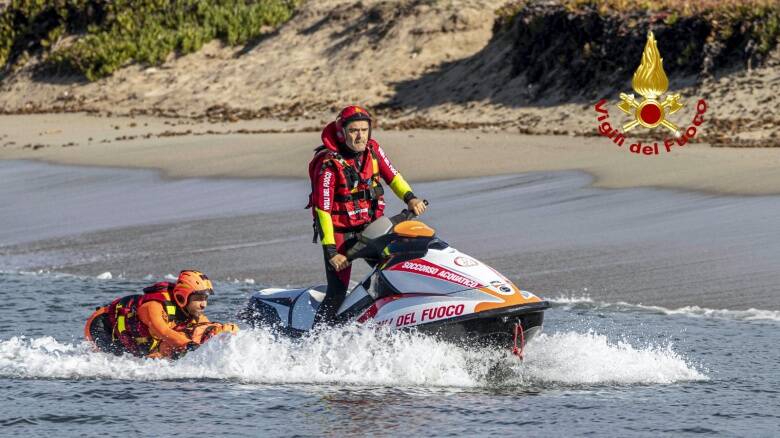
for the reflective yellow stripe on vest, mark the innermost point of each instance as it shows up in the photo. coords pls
(170, 308)
(120, 324)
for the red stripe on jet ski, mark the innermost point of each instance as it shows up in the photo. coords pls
(378, 304)
(371, 311)
(428, 269)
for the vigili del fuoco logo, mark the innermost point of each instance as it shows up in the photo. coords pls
(651, 112)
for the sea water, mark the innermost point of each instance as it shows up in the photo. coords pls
(606, 369)
(664, 320)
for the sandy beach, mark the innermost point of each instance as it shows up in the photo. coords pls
(256, 149)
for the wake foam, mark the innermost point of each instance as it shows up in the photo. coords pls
(692, 311)
(743, 315)
(362, 356)
(574, 359)
(571, 299)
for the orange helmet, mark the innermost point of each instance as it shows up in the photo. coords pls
(351, 114)
(188, 283)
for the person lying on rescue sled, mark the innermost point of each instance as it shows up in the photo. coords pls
(347, 196)
(165, 322)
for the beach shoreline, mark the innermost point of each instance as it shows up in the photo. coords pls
(275, 149)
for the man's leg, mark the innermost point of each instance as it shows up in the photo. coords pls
(338, 283)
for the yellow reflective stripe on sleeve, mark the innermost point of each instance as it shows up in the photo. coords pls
(399, 186)
(325, 222)
(120, 324)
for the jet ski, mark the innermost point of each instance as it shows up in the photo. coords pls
(419, 282)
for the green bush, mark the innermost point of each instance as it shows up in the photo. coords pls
(757, 20)
(107, 34)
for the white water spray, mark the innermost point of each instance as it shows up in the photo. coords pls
(362, 356)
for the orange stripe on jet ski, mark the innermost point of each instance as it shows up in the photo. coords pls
(515, 299)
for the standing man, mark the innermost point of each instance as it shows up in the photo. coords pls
(347, 196)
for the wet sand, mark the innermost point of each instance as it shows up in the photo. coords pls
(551, 232)
(220, 150)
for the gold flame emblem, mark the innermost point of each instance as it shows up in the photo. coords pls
(650, 82)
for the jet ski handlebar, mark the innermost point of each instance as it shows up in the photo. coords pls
(405, 214)
(372, 240)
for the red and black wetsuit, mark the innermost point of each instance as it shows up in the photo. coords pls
(346, 197)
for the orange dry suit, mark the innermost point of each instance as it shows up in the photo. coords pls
(149, 325)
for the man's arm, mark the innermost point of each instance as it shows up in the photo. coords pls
(325, 228)
(398, 184)
(324, 189)
(392, 177)
(152, 314)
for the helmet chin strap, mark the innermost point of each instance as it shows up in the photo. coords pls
(184, 309)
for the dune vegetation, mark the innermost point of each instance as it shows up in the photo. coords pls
(757, 21)
(94, 38)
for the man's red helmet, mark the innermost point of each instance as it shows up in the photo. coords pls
(351, 114)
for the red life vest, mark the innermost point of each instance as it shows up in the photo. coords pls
(358, 196)
(127, 327)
